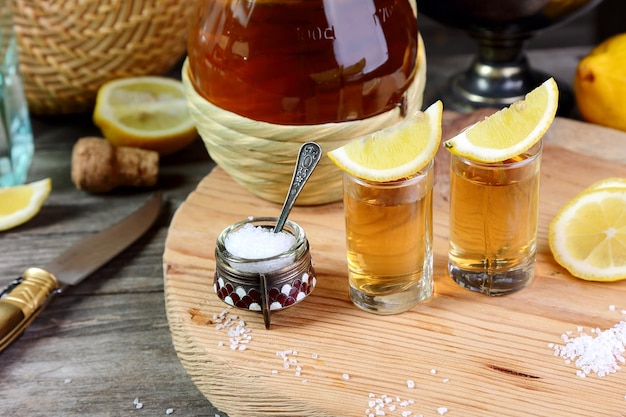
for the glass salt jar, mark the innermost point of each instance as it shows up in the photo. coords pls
(259, 270)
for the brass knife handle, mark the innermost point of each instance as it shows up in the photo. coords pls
(24, 301)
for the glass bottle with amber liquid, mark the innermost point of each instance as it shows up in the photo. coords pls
(304, 62)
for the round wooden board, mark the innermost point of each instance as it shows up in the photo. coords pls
(467, 354)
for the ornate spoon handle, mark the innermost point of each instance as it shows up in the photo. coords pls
(309, 155)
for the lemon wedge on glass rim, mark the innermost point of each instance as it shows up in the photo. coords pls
(396, 152)
(148, 112)
(20, 203)
(588, 235)
(510, 131)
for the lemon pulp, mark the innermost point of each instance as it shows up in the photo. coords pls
(510, 131)
(20, 203)
(396, 152)
(145, 112)
(588, 235)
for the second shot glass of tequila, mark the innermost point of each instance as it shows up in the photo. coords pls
(389, 231)
(493, 222)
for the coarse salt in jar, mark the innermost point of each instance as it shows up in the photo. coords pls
(259, 270)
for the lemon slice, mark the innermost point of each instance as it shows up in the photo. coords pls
(510, 131)
(588, 235)
(396, 152)
(145, 112)
(20, 203)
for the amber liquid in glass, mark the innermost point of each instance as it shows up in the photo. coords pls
(389, 243)
(303, 61)
(493, 224)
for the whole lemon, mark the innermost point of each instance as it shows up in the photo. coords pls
(600, 84)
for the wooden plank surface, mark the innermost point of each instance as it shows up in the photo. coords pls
(468, 354)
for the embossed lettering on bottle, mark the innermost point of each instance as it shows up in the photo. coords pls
(304, 62)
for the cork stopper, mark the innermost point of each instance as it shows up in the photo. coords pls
(98, 166)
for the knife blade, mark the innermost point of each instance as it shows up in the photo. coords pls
(26, 297)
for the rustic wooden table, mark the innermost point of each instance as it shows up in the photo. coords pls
(105, 345)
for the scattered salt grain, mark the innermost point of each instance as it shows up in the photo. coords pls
(169, 411)
(250, 242)
(410, 384)
(138, 405)
(238, 334)
(442, 410)
(445, 380)
(611, 307)
(381, 405)
(67, 380)
(433, 371)
(289, 360)
(601, 354)
(345, 376)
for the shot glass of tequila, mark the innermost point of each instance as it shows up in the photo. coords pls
(493, 222)
(389, 232)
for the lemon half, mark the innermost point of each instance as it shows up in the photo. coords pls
(588, 235)
(145, 112)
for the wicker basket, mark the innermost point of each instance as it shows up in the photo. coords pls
(69, 48)
(261, 156)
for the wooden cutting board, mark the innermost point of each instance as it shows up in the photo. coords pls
(466, 354)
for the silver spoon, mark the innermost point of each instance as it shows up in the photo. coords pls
(309, 155)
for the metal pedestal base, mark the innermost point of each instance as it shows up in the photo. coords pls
(498, 85)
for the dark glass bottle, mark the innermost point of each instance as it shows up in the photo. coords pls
(304, 62)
